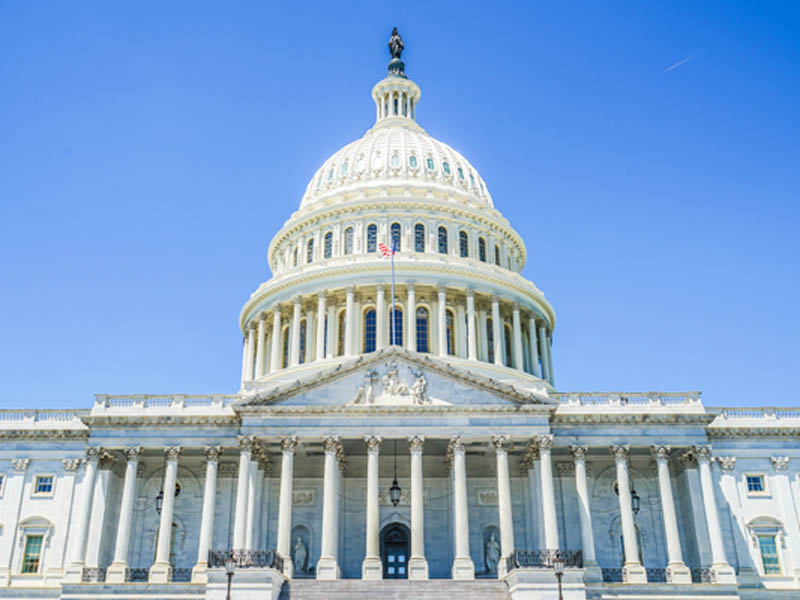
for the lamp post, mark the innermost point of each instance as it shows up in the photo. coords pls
(394, 491)
(230, 563)
(558, 567)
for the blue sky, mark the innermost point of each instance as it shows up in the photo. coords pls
(149, 151)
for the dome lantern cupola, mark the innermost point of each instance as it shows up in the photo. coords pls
(395, 96)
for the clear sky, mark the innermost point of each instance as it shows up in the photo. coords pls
(647, 152)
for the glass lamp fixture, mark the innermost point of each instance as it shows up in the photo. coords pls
(394, 491)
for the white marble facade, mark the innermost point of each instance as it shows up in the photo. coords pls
(659, 493)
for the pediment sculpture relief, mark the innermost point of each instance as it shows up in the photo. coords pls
(392, 389)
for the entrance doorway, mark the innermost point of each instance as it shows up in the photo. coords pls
(395, 550)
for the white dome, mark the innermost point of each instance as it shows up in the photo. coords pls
(397, 151)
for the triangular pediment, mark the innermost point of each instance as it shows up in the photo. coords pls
(392, 377)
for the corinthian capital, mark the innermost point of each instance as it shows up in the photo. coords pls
(456, 443)
(545, 442)
(373, 443)
(780, 463)
(213, 452)
(416, 442)
(703, 453)
(621, 452)
(578, 452)
(132, 452)
(93, 453)
(660, 451)
(173, 452)
(247, 443)
(289, 444)
(331, 443)
(727, 463)
(20, 464)
(71, 465)
(500, 442)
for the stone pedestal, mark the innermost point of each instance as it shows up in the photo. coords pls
(634, 572)
(117, 573)
(247, 584)
(723, 573)
(463, 568)
(160, 573)
(417, 568)
(541, 584)
(327, 568)
(372, 568)
(679, 574)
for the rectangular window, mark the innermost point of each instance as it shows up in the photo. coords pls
(769, 554)
(43, 485)
(33, 552)
(755, 484)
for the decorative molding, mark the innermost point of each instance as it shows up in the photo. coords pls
(304, 497)
(373, 443)
(106, 460)
(578, 452)
(332, 443)
(173, 452)
(660, 451)
(416, 443)
(132, 452)
(247, 443)
(565, 469)
(71, 465)
(228, 469)
(621, 452)
(289, 444)
(780, 463)
(20, 464)
(487, 497)
(93, 453)
(545, 442)
(501, 442)
(727, 463)
(212, 452)
(456, 443)
(703, 452)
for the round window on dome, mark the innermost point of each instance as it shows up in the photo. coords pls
(446, 167)
(412, 161)
(395, 161)
(431, 165)
(343, 170)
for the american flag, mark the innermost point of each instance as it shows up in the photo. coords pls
(385, 250)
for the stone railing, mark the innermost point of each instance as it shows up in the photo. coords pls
(244, 559)
(10, 416)
(638, 399)
(766, 413)
(142, 401)
(43, 423)
(543, 559)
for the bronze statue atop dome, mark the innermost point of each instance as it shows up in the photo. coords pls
(396, 45)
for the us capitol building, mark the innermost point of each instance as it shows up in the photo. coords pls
(402, 440)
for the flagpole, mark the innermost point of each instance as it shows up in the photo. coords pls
(391, 329)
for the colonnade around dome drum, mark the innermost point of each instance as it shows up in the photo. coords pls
(430, 319)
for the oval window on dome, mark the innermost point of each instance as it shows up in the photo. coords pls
(319, 181)
(431, 164)
(446, 167)
(460, 173)
(472, 179)
(330, 174)
(343, 170)
(412, 161)
(395, 160)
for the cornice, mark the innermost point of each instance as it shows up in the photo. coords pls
(121, 420)
(664, 418)
(42, 434)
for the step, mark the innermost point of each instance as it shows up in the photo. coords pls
(359, 589)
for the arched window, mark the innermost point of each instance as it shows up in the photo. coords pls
(507, 340)
(419, 237)
(340, 335)
(450, 323)
(463, 244)
(490, 340)
(397, 339)
(328, 244)
(497, 255)
(482, 249)
(348, 240)
(302, 358)
(442, 240)
(395, 233)
(285, 345)
(294, 258)
(422, 330)
(372, 237)
(310, 251)
(369, 330)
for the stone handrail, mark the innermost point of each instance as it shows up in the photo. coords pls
(143, 401)
(628, 399)
(53, 415)
(767, 413)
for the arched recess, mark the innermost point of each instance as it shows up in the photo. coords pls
(768, 540)
(395, 550)
(490, 549)
(301, 543)
(34, 536)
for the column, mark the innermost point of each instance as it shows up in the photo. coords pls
(251, 353)
(207, 519)
(276, 353)
(721, 571)
(677, 571)
(244, 359)
(503, 503)
(411, 319)
(260, 346)
(472, 345)
(330, 350)
(246, 443)
(534, 350)
(463, 568)
(74, 571)
(497, 331)
(545, 443)
(483, 343)
(372, 568)
(349, 323)
(460, 333)
(253, 475)
(380, 317)
(321, 326)
(550, 359)
(593, 572)
(288, 446)
(543, 352)
(97, 517)
(118, 569)
(441, 321)
(294, 348)
(417, 564)
(519, 360)
(310, 345)
(632, 569)
(327, 567)
(161, 571)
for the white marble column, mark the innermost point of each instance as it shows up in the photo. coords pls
(632, 569)
(677, 571)
(261, 346)
(321, 325)
(543, 352)
(593, 572)
(463, 567)
(441, 321)
(330, 349)
(503, 503)
(497, 331)
(550, 521)
(550, 359)
(308, 355)
(720, 568)
(472, 340)
(380, 317)
(251, 514)
(294, 346)
(417, 563)
(246, 443)
(349, 321)
(411, 318)
(288, 446)
(519, 359)
(327, 567)
(244, 359)
(118, 569)
(161, 571)
(199, 571)
(483, 343)
(277, 351)
(251, 353)
(534, 349)
(74, 571)
(372, 568)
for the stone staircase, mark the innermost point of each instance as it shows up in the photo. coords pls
(358, 589)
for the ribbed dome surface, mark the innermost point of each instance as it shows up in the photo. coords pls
(396, 151)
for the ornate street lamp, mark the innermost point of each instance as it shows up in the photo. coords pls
(159, 501)
(558, 567)
(394, 491)
(635, 501)
(230, 564)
